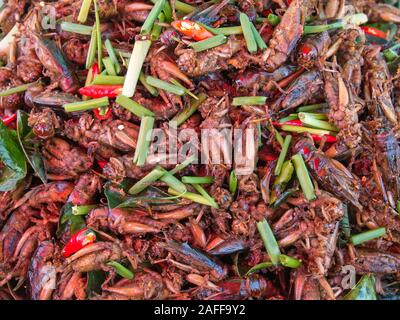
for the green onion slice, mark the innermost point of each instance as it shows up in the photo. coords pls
(158, 83)
(248, 33)
(270, 243)
(76, 28)
(143, 141)
(121, 270)
(108, 80)
(249, 101)
(197, 180)
(143, 183)
(133, 106)
(303, 177)
(367, 236)
(283, 154)
(86, 105)
(209, 43)
(84, 11)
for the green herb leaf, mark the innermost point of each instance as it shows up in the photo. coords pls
(31, 152)
(94, 281)
(115, 194)
(13, 158)
(121, 270)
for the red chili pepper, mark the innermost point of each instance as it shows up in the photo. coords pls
(296, 123)
(8, 120)
(374, 32)
(105, 116)
(265, 13)
(101, 90)
(79, 240)
(305, 49)
(95, 70)
(329, 138)
(266, 154)
(102, 163)
(192, 29)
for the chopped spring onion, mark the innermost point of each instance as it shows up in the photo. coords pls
(92, 49)
(84, 11)
(156, 31)
(248, 33)
(357, 19)
(121, 270)
(108, 80)
(205, 194)
(86, 105)
(273, 19)
(160, 84)
(173, 182)
(303, 177)
(269, 241)
(310, 121)
(290, 128)
(140, 50)
(252, 100)
(281, 181)
(183, 165)
(143, 141)
(17, 89)
(319, 116)
(282, 155)
(151, 18)
(209, 43)
(260, 266)
(289, 262)
(166, 9)
(198, 180)
(367, 236)
(98, 37)
(82, 210)
(323, 27)
(288, 118)
(133, 106)
(276, 133)
(142, 78)
(143, 183)
(187, 91)
(260, 41)
(226, 31)
(187, 112)
(184, 7)
(233, 182)
(191, 196)
(313, 107)
(112, 55)
(76, 28)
